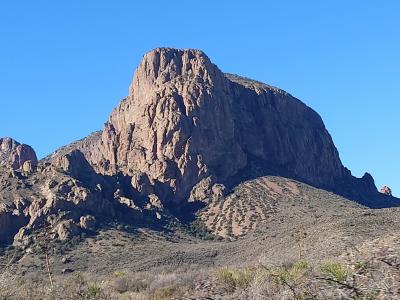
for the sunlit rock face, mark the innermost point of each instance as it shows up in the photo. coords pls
(184, 121)
(14, 154)
(186, 132)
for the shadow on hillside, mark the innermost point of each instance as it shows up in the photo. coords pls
(360, 190)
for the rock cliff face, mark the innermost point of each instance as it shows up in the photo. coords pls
(14, 154)
(185, 124)
(186, 132)
(67, 197)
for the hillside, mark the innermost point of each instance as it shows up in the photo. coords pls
(301, 223)
(201, 185)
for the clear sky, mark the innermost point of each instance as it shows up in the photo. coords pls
(64, 65)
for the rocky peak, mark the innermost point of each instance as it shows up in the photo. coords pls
(186, 126)
(14, 154)
(386, 190)
(166, 64)
(185, 132)
(175, 124)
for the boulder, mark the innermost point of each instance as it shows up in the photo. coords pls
(386, 190)
(66, 230)
(88, 222)
(14, 154)
(28, 166)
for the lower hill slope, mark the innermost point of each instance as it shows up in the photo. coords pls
(270, 220)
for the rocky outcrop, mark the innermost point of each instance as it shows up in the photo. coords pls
(386, 190)
(62, 199)
(185, 133)
(48, 198)
(14, 154)
(184, 123)
(88, 222)
(11, 220)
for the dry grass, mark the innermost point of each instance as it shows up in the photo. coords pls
(119, 285)
(300, 280)
(235, 278)
(297, 280)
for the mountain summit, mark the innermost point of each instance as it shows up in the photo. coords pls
(186, 126)
(185, 133)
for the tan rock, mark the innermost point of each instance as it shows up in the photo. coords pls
(184, 132)
(88, 222)
(202, 190)
(184, 120)
(155, 202)
(28, 166)
(14, 154)
(10, 223)
(66, 230)
(386, 190)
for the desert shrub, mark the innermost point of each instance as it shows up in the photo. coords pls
(292, 274)
(7, 285)
(166, 286)
(78, 288)
(117, 274)
(123, 283)
(138, 285)
(234, 278)
(120, 285)
(336, 271)
(167, 293)
(94, 291)
(288, 281)
(199, 230)
(361, 267)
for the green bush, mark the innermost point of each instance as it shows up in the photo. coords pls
(361, 267)
(234, 278)
(292, 274)
(199, 230)
(94, 291)
(336, 271)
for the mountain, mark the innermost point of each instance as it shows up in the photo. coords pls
(186, 126)
(268, 224)
(185, 134)
(194, 170)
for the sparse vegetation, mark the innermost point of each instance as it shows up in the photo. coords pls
(168, 293)
(295, 242)
(336, 271)
(296, 280)
(235, 278)
(94, 291)
(199, 230)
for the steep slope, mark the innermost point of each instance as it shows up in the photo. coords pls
(185, 126)
(62, 200)
(259, 165)
(14, 155)
(185, 133)
(306, 224)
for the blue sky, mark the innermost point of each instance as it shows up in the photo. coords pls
(64, 65)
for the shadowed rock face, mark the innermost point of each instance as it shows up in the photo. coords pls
(14, 154)
(185, 122)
